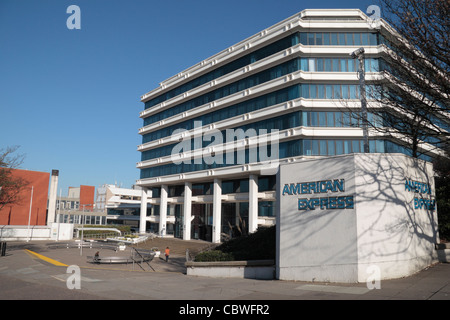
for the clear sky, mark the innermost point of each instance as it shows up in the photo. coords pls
(71, 98)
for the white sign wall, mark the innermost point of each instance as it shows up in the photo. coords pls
(340, 215)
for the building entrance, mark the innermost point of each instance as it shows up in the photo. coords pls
(201, 225)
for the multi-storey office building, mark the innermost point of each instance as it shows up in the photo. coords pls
(213, 134)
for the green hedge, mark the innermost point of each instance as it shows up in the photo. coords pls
(256, 246)
(213, 255)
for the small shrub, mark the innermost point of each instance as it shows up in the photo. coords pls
(256, 246)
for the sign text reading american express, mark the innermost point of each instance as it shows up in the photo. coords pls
(337, 185)
(317, 187)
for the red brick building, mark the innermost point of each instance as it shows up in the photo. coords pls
(87, 194)
(35, 194)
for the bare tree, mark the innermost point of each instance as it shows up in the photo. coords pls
(442, 180)
(10, 186)
(412, 96)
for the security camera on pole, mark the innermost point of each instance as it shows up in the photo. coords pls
(359, 54)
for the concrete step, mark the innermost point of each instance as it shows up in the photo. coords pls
(177, 246)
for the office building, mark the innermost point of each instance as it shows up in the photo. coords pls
(214, 134)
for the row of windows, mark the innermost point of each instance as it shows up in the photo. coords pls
(265, 183)
(337, 147)
(286, 121)
(339, 38)
(339, 64)
(265, 209)
(250, 58)
(305, 64)
(260, 102)
(305, 38)
(309, 147)
(82, 219)
(256, 79)
(308, 91)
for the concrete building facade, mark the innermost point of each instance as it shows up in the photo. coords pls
(355, 217)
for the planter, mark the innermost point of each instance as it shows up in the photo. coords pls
(251, 269)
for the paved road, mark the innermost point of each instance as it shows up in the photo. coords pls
(24, 275)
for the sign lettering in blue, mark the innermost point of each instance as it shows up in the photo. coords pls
(427, 204)
(344, 202)
(325, 186)
(317, 187)
(417, 187)
(420, 188)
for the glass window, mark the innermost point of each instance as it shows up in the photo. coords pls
(323, 147)
(326, 38)
(347, 146)
(327, 65)
(337, 91)
(311, 38)
(373, 39)
(330, 119)
(313, 91)
(352, 65)
(319, 40)
(304, 64)
(320, 64)
(357, 38)
(349, 39)
(356, 146)
(307, 147)
(329, 91)
(312, 64)
(345, 91)
(353, 92)
(315, 147)
(364, 39)
(331, 148)
(372, 146)
(322, 119)
(338, 119)
(304, 38)
(321, 91)
(339, 147)
(314, 119)
(374, 65)
(334, 38)
(380, 145)
(343, 65)
(346, 121)
(304, 118)
(342, 39)
(336, 65)
(305, 91)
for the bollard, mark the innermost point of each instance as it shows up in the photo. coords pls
(3, 248)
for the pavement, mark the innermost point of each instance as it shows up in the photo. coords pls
(33, 271)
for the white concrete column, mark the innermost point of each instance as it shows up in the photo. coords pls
(143, 215)
(187, 210)
(217, 211)
(52, 197)
(253, 203)
(163, 211)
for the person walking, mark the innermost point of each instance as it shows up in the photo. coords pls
(167, 253)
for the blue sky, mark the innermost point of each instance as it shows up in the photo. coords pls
(71, 98)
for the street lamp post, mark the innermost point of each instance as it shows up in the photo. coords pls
(29, 215)
(359, 54)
